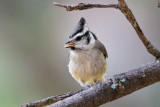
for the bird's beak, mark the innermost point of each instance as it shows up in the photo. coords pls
(69, 44)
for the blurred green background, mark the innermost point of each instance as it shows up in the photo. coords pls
(33, 60)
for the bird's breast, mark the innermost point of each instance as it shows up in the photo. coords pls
(86, 65)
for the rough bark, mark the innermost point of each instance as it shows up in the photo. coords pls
(118, 86)
(114, 88)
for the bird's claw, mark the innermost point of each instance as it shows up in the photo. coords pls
(87, 87)
(96, 83)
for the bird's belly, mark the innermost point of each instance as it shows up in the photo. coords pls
(87, 70)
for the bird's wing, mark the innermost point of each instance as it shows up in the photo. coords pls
(102, 48)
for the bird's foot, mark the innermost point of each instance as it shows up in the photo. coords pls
(87, 86)
(96, 83)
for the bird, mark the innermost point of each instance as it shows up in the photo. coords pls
(87, 56)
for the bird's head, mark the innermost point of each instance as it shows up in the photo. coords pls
(81, 38)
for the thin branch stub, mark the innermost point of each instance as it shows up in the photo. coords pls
(50, 100)
(83, 6)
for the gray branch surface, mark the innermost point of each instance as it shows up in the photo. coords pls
(114, 88)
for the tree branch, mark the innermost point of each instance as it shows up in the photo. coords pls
(50, 100)
(114, 88)
(82, 6)
(123, 7)
(130, 17)
(118, 86)
(158, 3)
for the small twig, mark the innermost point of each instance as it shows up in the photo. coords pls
(50, 100)
(158, 3)
(82, 6)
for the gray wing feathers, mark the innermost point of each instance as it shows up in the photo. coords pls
(102, 48)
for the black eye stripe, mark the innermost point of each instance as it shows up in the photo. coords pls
(78, 38)
(88, 39)
(94, 36)
(78, 31)
(86, 34)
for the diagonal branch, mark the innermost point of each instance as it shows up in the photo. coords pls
(123, 7)
(130, 17)
(50, 100)
(118, 86)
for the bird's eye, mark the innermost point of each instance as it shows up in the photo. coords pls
(78, 38)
